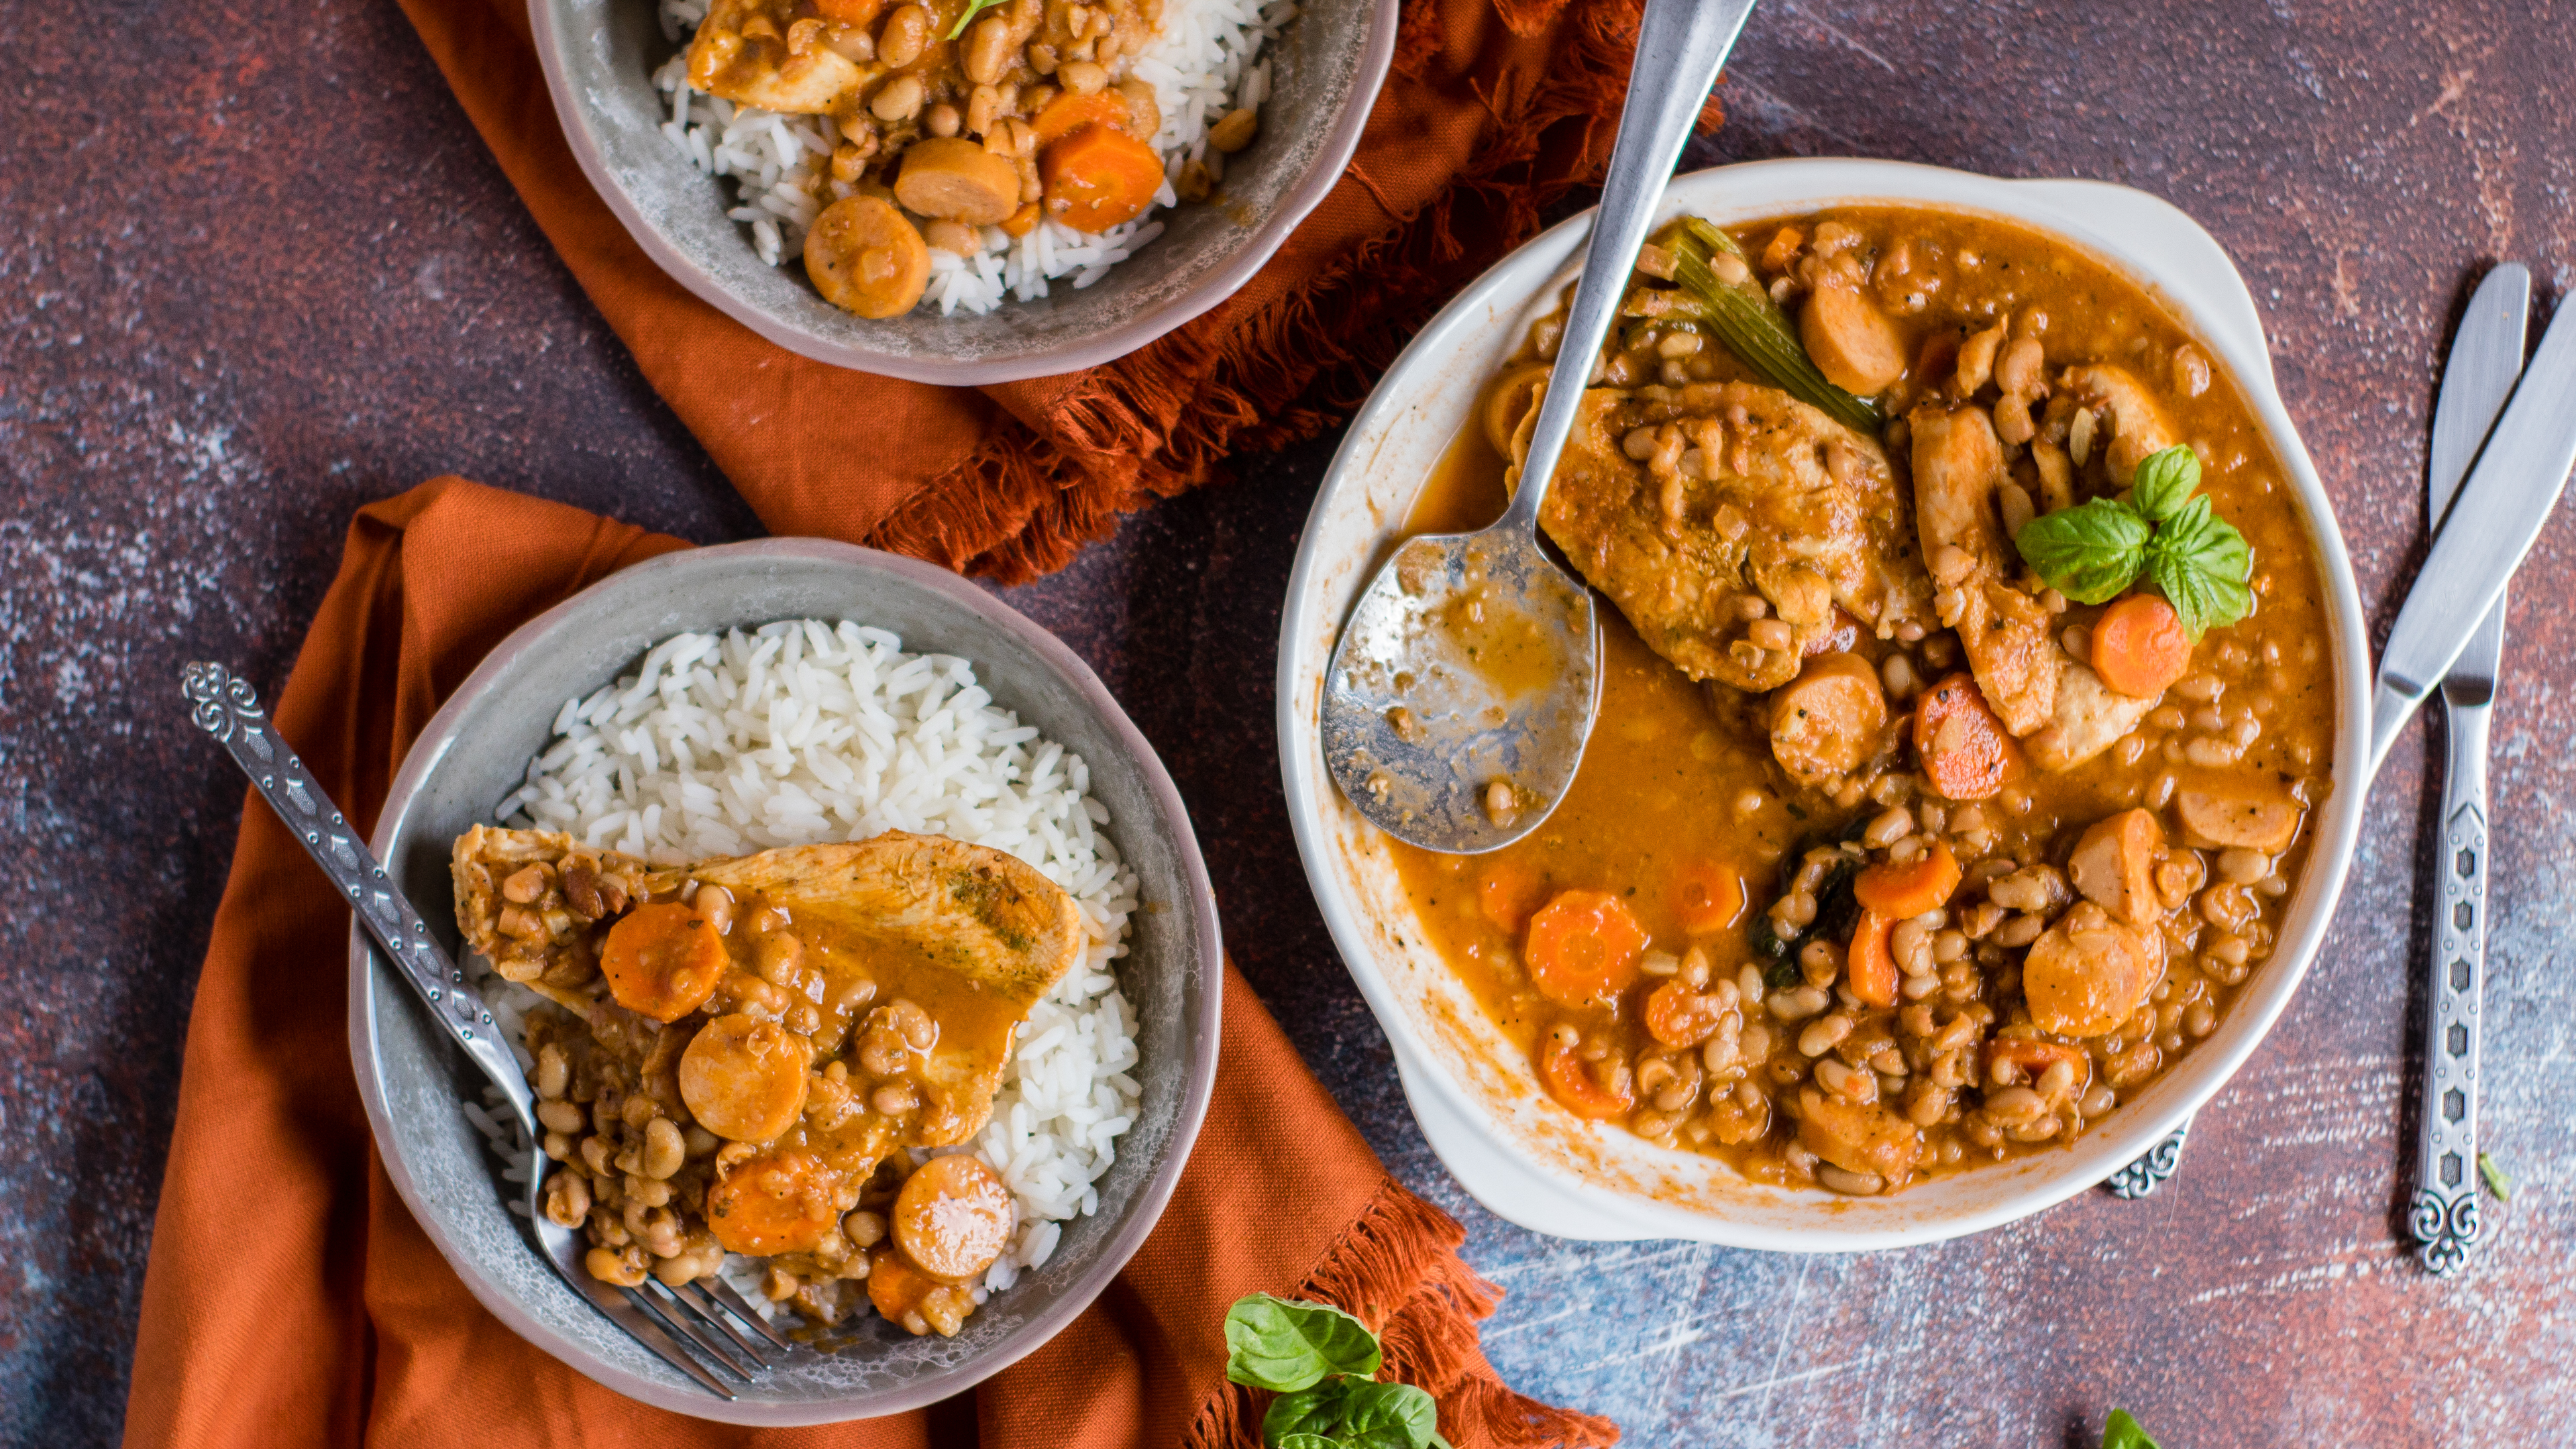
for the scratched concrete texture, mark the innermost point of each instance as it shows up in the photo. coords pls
(246, 286)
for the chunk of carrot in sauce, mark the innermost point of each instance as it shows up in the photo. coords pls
(1583, 947)
(1870, 964)
(1709, 897)
(1571, 1081)
(783, 1203)
(1678, 1016)
(1898, 890)
(2139, 647)
(896, 1287)
(1964, 748)
(1508, 893)
(663, 960)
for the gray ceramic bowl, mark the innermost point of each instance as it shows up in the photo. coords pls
(476, 751)
(1326, 66)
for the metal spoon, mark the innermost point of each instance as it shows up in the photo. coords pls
(1464, 685)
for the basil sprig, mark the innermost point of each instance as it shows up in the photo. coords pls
(2122, 1432)
(2166, 530)
(1321, 1362)
(973, 9)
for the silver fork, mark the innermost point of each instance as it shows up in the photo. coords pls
(725, 1336)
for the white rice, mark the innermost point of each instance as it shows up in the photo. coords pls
(803, 732)
(1203, 65)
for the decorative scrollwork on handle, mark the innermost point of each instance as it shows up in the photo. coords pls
(221, 701)
(2445, 1228)
(2149, 1172)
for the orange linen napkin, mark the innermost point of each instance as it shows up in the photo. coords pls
(1492, 111)
(291, 1300)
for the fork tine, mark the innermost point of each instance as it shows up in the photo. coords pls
(713, 1317)
(727, 1297)
(646, 1332)
(689, 1336)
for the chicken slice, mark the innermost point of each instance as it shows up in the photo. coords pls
(758, 53)
(2086, 718)
(922, 925)
(2139, 424)
(1958, 465)
(1733, 493)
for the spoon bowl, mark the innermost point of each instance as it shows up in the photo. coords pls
(1463, 690)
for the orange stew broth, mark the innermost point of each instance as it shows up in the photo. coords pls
(1679, 811)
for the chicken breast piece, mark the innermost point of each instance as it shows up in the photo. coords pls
(1742, 494)
(966, 936)
(753, 53)
(2086, 718)
(1958, 465)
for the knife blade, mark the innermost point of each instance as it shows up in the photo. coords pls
(2498, 514)
(2443, 1215)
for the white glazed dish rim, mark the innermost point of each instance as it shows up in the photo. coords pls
(1492, 1136)
(1195, 951)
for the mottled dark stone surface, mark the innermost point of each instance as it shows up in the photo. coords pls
(256, 270)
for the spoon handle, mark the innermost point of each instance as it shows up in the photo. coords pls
(227, 708)
(1679, 48)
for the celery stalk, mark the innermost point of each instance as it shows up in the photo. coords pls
(1756, 330)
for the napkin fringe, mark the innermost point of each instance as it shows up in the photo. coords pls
(1398, 1271)
(1164, 420)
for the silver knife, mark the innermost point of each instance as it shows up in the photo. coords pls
(2499, 512)
(2485, 359)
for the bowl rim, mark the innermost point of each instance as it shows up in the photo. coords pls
(2155, 244)
(1203, 1033)
(1377, 54)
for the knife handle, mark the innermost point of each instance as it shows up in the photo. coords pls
(2445, 1215)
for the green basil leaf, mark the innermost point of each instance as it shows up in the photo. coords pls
(1317, 1411)
(973, 9)
(1379, 1410)
(2122, 1432)
(2088, 553)
(2163, 481)
(1310, 1441)
(2202, 566)
(2497, 1182)
(1285, 1345)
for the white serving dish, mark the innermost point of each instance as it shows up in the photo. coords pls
(1476, 1098)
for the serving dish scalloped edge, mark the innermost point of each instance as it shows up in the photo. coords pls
(1476, 1101)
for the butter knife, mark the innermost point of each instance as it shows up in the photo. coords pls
(2499, 512)
(2485, 359)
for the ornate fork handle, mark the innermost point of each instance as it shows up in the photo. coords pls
(227, 708)
(2444, 1217)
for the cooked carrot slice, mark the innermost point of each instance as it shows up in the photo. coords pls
(1710, 897)
(1098, 177)
(1677, 1016)
(662, 960)
(1072, 111)
(1583, 947)
(1921, 884)
(953, 1217)
(778, 1204)
(1570, 1080)
(895, 1286)
(1508, 893)
(1964, 748)
(2139, 647)
(1870, 965)
(850, 12)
